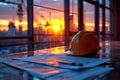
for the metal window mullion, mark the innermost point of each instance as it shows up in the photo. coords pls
(80, 15)
(112, 21)
(103, 22)
(30, 25)
(97, 14)
(67, 21)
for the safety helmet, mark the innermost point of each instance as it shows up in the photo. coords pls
(84, 42)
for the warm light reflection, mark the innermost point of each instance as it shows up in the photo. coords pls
(57, 50)
(54, 63)
(89, 26)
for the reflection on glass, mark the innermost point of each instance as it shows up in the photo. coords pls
(13, 49)
(55, 50)
(100, 1)
(107, 3)
(89, 16)
(100, 20)
(107, 21)
(73, 16)
(105, 49)
(107, 25)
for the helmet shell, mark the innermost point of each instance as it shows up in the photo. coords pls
(83, 43)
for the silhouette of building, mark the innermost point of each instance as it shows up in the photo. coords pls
(20, 32)
(12, 30)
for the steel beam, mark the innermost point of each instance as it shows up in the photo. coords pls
(30, 25)
(67, 21)
(97, 20)
(80, 15)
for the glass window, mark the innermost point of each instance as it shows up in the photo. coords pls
(56, 4)
(48, 23)
(89, 22)
(107, 21)
(13, 22)
(100, 1)
(100, 19)
(73, 16)
(9, 46)
(107, 3)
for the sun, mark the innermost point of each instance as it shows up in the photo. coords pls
(56, 28)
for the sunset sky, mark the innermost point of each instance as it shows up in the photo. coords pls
(8, 13)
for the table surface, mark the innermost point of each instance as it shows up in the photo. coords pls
(109, 50)
(46, 66)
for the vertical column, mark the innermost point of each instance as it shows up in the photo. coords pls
(30, 26)
(103, 22)
(117, 16)
(67, 21)
(97, 14)
(112, 21)
(80, 15)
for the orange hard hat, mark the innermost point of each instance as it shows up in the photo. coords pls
(84, 42)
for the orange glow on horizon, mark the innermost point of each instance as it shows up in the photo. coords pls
(90, 26)
(56, 25)
(5, 23)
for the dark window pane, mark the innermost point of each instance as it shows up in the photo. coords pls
(8, 46)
